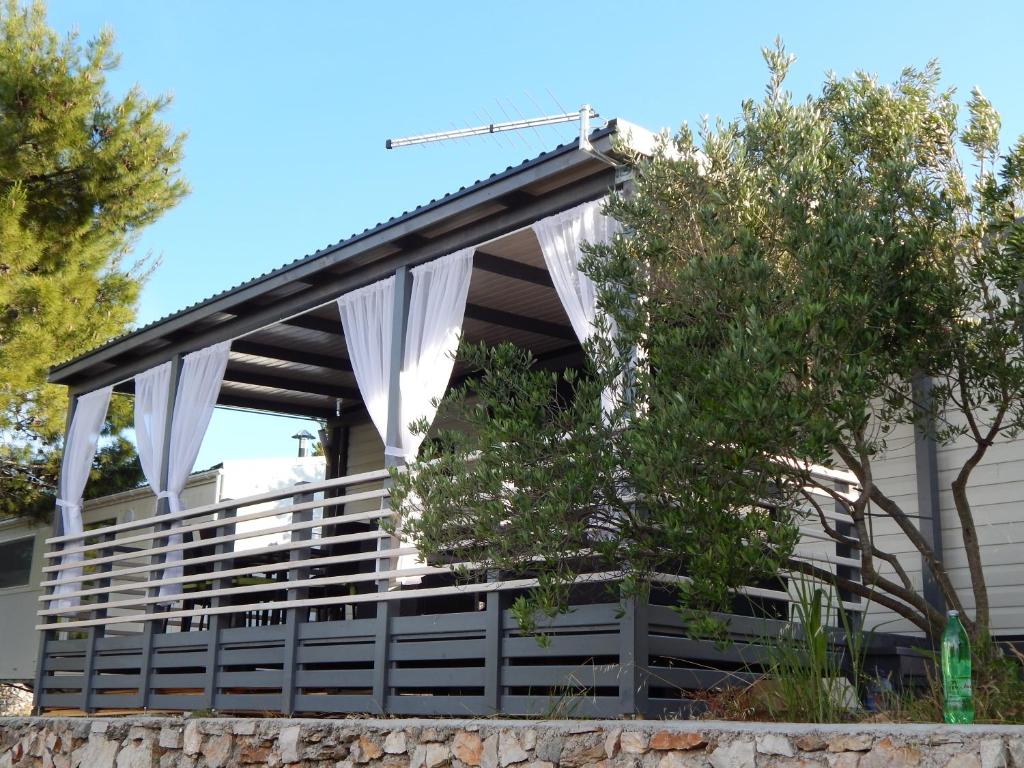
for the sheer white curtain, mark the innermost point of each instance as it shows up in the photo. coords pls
(151, 390)
(79, 449)
(201, 375)
(366, 323)
(436, 311)
(561, 239)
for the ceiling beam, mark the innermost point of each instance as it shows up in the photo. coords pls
(294, 355)
(315, 323)
(499, 265)
(519, 322)
(293, 385)
(273, 407)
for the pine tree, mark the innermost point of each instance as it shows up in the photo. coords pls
(81, 173)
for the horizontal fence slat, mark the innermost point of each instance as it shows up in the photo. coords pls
(562, 645)
(252, 702)
(167, 680)
(159, 520)
(223, 506)
(333, 703)
(453, 706)
(313, 562)
(580, 675)
(273, 549)
(340, 653)
(354, 518)
(437, 650)
(345, 678)
(349, 630)
(107, 681)
(250, 679)
(436, 677)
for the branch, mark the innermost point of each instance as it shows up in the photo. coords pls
(857, 588)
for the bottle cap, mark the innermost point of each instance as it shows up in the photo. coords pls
(953, 614)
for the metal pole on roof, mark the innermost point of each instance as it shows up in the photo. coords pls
(584, 114)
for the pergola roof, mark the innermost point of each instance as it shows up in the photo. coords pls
(289, 354)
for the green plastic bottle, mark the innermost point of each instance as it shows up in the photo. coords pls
(958, 699)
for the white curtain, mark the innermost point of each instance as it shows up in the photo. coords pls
(561, 239)
(79, 449)
(366, 323)
(436, 310)
(151, 390)
(201, 375)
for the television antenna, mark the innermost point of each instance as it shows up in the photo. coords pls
(584, 116)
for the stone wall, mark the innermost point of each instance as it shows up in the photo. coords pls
(175, 742)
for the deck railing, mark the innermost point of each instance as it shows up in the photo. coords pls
(334, 525)
(327, 619)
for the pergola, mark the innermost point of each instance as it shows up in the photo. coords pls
(288, 353)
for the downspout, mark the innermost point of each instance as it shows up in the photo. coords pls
(927, 472)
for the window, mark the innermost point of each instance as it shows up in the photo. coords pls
(16, 562)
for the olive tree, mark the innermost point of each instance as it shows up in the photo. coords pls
(790, 279)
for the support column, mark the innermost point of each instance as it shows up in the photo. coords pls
(56, 529)
(162, 508)
(927, 465)
(385, 608)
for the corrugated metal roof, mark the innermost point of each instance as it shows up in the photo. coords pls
(326, 250)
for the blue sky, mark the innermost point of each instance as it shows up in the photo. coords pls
(287, 105)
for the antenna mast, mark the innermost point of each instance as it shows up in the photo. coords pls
(583, 116)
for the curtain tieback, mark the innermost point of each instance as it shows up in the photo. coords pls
(173, 500)
(70, 508)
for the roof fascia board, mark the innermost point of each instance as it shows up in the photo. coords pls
(455, 204)
(324, 291)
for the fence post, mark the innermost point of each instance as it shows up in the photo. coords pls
(493, 619)
(633, 656)
(294, 616)
(217, 619)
